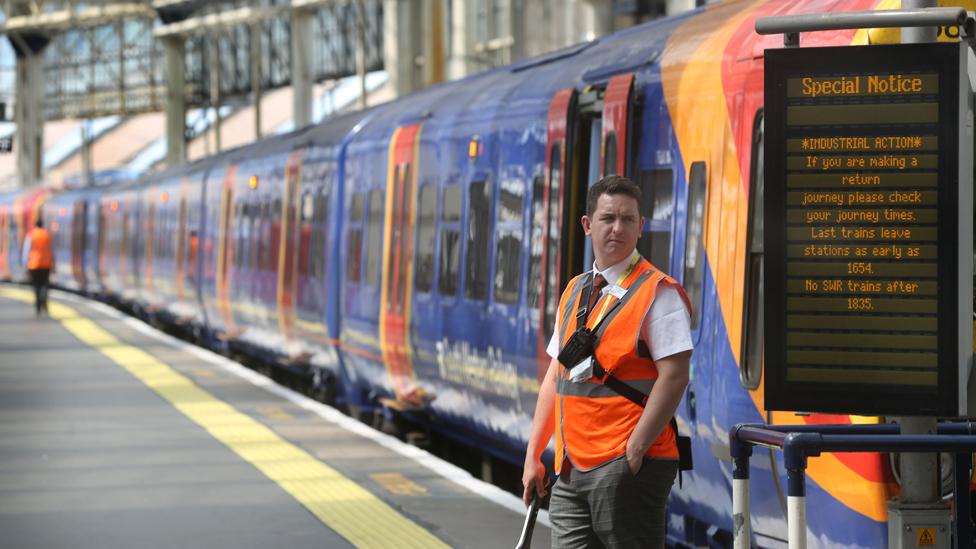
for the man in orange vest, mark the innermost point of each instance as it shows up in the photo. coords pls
(40, 260)
(620, 356)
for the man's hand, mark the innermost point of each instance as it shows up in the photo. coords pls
(533, 479)
(635, 460)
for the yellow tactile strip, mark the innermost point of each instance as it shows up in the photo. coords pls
(345, 507)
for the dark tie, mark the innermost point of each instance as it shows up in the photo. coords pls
(598, 283)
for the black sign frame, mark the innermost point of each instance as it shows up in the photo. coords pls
(861, 398)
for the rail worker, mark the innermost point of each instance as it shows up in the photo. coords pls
(39, 257)
(616, 452)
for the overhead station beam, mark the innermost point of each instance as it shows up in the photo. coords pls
(71, 18)
(231, 18)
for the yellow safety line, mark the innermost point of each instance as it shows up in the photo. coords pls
(345, 507)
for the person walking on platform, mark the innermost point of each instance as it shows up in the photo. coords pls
(620, 356)
(40, 259)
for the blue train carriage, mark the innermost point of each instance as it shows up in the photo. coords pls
(463, 207)
(268, 235)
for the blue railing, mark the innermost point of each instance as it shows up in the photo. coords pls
(799, 442)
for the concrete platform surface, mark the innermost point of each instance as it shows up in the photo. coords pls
(114, 435)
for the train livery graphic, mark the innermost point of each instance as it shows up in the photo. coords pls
(411, 256)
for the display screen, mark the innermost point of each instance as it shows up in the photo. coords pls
(861, 169)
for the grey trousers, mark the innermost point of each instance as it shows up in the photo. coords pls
(610, 507)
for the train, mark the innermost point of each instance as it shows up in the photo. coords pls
(408, 258)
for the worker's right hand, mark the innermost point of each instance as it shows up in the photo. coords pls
(533, 479)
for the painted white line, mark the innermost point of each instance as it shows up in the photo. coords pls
(447, 470)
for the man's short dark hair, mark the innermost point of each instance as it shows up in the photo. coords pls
(39, 222)
(612, 184)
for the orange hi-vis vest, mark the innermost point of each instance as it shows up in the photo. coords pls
(40, 255)
(594, 422)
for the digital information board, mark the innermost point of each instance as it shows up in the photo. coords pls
(868, 245)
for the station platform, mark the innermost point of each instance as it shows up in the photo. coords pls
(115, 435)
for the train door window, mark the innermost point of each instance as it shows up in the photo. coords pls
(450, 241)
(426, 237)
(260, 236)
(479, 227)
(238, 248)
(657, 189)
(276, 229)
(354, 253)
(551, 291)
(508, 251)
(257, 244)
(534, 289)
(404, 240)
(695, 240)
(305, 234)
(752, 335)
(610, 154)
(374, 249)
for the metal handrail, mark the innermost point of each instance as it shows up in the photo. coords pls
(799, 442)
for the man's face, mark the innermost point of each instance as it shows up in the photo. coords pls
(614, 227)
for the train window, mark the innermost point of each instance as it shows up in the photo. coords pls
(450, 242)
(316, 239)
(479, 225)
(355, 251)
(694, 240)
(533, 290)
(752, 336)
(374, 248)
(510, 197)
(452, 204)
(508, 251)
(657, 188)
(610, 154)
(426, 236)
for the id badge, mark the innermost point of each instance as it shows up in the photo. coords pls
(582, 371)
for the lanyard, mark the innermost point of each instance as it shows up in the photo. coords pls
(623, 276)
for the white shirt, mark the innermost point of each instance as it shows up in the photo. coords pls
(666, 330)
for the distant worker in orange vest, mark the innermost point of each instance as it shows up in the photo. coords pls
(40, 260)
(620, 356)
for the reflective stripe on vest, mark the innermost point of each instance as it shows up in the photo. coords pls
(593, 422)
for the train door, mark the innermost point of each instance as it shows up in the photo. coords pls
(78, 219)
(289, 239)
(572, 119)
(4, 243)
(225, 250)
(397, 265)
(181, 235)
(149, 243)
